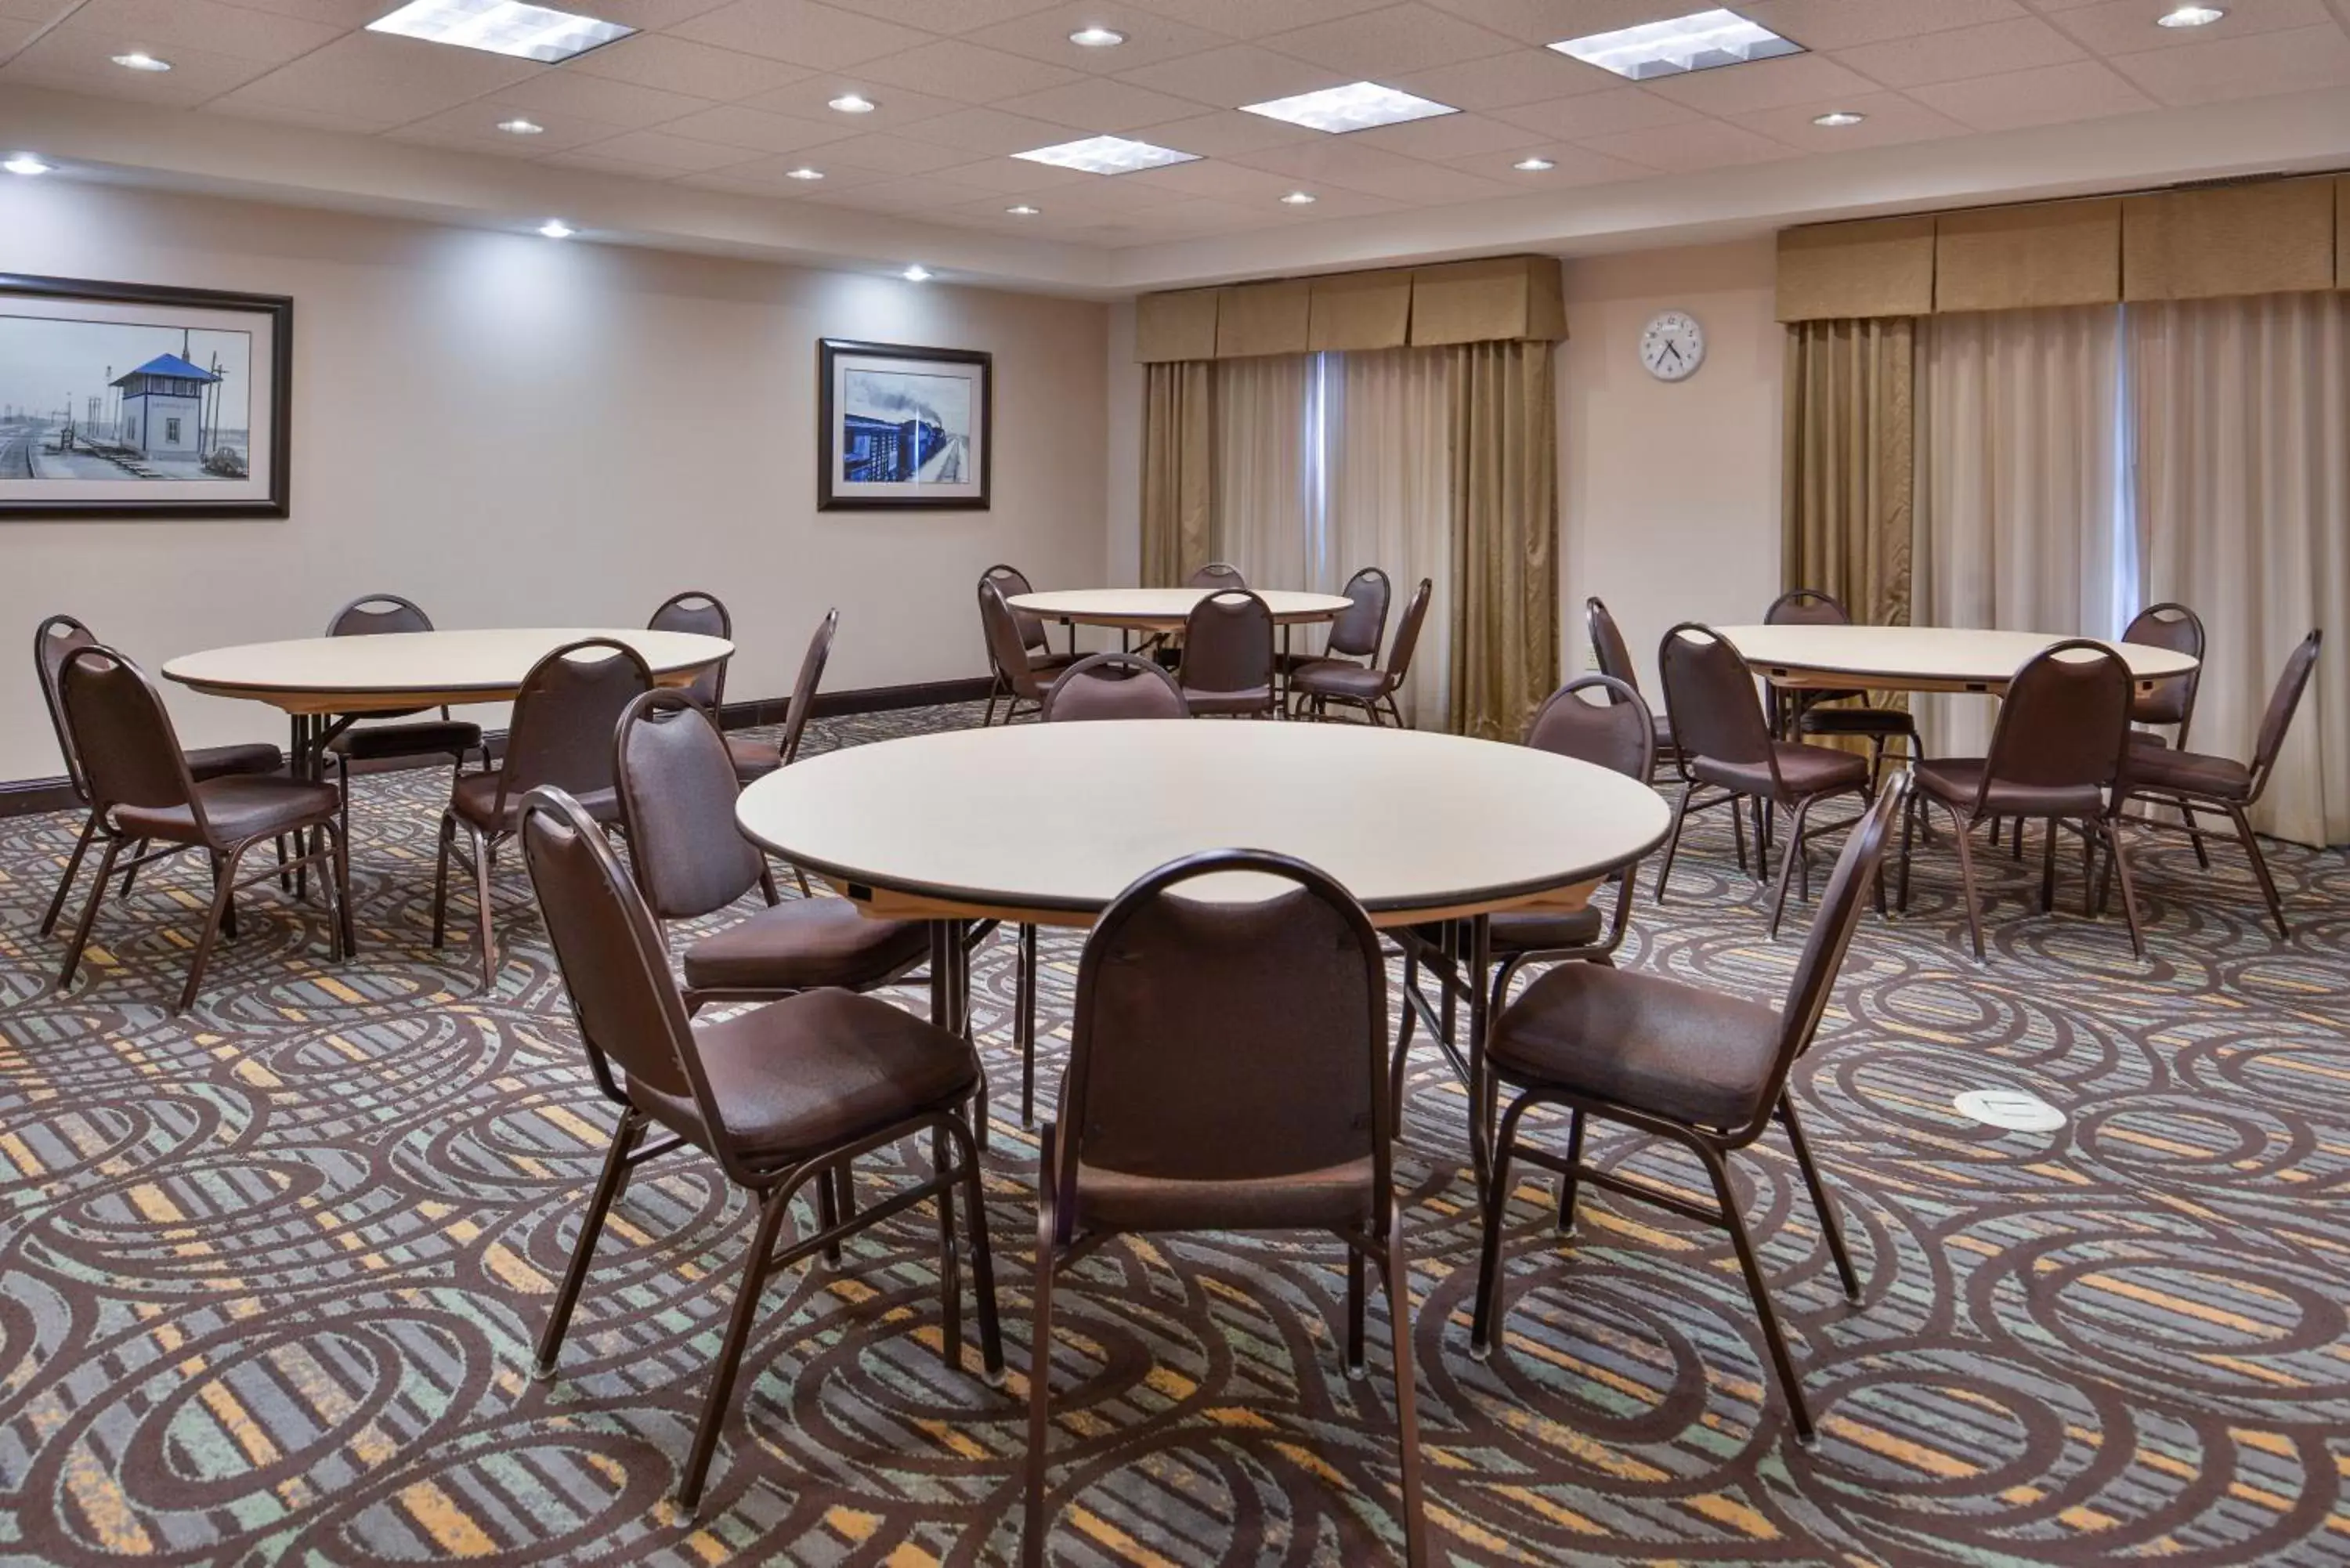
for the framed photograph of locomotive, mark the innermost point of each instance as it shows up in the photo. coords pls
(903, 428)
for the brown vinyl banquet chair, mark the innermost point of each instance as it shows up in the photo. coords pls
(1221, 576)
(1113, 685)
(780, 1096)
(398, 735)
(1035, 642)
(1016, 677)
(52, 640)
(142, 791)
(1224, 1074)
(754, 758)
(702, 615)
(1838, 711)
(1614, 659)
(1354, 638)
(560, 734)
(1703, 1070)
(1372, 688)
(1228, 663)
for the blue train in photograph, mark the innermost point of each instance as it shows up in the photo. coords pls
(886, 451)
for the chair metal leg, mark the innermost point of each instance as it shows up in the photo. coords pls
(800, 877)
(2130, 889)
(1489, 1257)
(1775, 1342)
(440, 879)
(1567, 1182)
(827, 1214)
(2260, 859)
(1738, 836)
(1830, 1228)
(1354, 1311)
(1024, 1022)
(487, 933)
(1788, 861)
(1398, 1283)
(1673, 839)
(73, 868)
(131, 875)
(1040, 1363)
(625, 1138)
(223, 890)
(89, 914)
(2048, 867)
(950, 1264)
(767, 883)
(2195, 836)
(228, 915)
(773, 1206)
(1910, 815)
(1961, 831)
(1399, 1069)
(983, 1257)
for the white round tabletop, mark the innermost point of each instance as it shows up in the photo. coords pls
(412, 668)
(1165, 610)
(1049, 823)
(1916, 658)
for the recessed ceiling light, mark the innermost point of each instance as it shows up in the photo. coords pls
(854, 103)
(803, 173)
(1299, 199)
(1358, 106)
(139, 60)
(917, 273)
(1024, 211)
(24, 163)
(1098, 37)
(1107, 155)
(1697, 42)
(521, 127)
(1533, 165)
(557, 229)
(500, 27)
(2190, 16)
(1838, 119)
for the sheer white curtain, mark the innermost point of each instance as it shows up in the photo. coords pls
(2243, 427)
(2019, 487)
(1267, 487)
(1386, 416)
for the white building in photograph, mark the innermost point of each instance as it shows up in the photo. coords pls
(163, 408)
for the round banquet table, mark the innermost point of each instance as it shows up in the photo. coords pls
(1917, 658)
(1420, 827)
(1166, 609)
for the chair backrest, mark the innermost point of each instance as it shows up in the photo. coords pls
(1841, 905)
(614, 962)
(1607, 645)
(676, 801)
(1615, 732)
(1007, 651)
(1806, 606)
(1218, 575)
(2284, 702)
(1407, 637)
(1011, 582)
(53, 639)
(2063, 721)
(803, 688)
(1228, 643)
(1363, 624)
(705, 615)
(1710, 694)
(372, 615)
(2180, 629)
(1114, 686)
(122, 733)
(1226, 1041)
(564, 717)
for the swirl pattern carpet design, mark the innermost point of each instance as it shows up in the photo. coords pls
(270, 1273)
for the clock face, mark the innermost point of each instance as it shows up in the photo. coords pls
(1673, 347)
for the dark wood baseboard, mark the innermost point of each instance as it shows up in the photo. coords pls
(27, 797)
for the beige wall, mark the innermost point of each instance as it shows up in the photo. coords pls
(513, 430)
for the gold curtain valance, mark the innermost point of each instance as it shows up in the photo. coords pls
(1501, 299)
(2265, 237)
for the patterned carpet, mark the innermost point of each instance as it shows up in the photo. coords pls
(269, 1276)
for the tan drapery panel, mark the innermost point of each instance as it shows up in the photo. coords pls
(1266, 512)
(1504, 470)
(1179, 470)
(1848, 481)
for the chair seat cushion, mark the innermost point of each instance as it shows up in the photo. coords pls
(804, 943)
(2157, 766)
(1252, 699)
(1804, 770)
(1050, 664)
(1337, 678)
(475, 797)
(239, 806)
(815, 1071)
(1533, 930)
(754, 758)
(1314, 1200)
(1662, 726)
(1954, 780)
(1857, 721)
(1640, 1041)
(426, 737)
(248, 757)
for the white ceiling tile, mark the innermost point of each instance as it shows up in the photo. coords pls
(950, 16)
(340, 122)
(1698, 145)
(1344, 162)
(1503, 81)
(564, 92)
(1254, 18)
(1841, 24)
(599, 163)
(915, 194)
(1214, 178)
(1444, 136)
(476, 124)
(1223, 133)
(2052, 95)
(1014, 177)
(1762, 84)
(2258, 66)
(990, 133)
(811, 99)
(40, 11)
(1405, 38)
(1044, 36)
(165, 27)
(890, 155)
(81, 62)
(660, 150)
(1888, 119)
(680, 65)
(1099, 103)
(1548, 21)
(379, 77)
(647, 16)
(735, 125)
(952, 68)
(801, 31)
(774, 173)
(1979, 51)
(1572, 165)
(15, 35)
(1597, 114)
(1238, 74)
(2128, 26)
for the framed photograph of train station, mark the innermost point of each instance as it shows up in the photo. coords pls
(901, 427)
(121, 400)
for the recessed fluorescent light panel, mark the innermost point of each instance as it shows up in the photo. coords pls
(1358, 106)
(502, 28)
(1107, 155)
(1698, 42)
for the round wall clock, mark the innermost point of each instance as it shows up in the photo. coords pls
(1673, 347)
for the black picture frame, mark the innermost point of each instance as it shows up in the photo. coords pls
(836, 493)
(272, 496)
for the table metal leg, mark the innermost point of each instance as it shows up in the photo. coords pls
(1477, 959)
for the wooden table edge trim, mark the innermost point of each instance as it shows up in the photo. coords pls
(368, 699)
(1808, 676)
